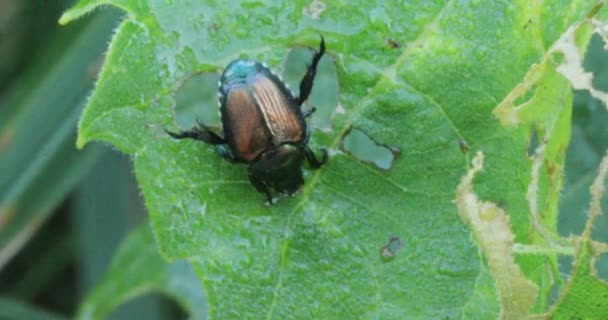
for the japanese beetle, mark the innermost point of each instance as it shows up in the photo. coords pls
(263, 124)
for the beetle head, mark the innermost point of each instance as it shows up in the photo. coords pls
(280, 168)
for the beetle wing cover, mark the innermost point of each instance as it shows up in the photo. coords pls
(248, 133)
(282, 119)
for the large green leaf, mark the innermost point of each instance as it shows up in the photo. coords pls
(419, 77)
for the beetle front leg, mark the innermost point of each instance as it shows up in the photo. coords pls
(307, 80)
(312, 159)
(261, 187)
(201, 132)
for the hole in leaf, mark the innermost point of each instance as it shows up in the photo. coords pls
(358, 143)
(324, 94)
(596, 60)
(565, 268)
(391, 248)
(394, 44)
(554, 292)
(197, 99)
(464, 146)
(601, 265)
(533, 143)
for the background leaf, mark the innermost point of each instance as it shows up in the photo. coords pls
(12, 309)
(47, 260)
(138, 269)
(37, 134)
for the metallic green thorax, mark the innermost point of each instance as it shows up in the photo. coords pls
(239, 72)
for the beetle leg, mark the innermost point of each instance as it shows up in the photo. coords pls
(309, 112)
(225, 153)
(261, 187)
(202, 133)
(312, 159)
(307, 80)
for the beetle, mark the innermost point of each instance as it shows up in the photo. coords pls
(263, 124)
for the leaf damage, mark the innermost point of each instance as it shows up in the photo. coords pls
(572, 66)
(314, 9)
(491, 227)
(509, 111)
(597, 191)
(360, 145)
(583, 285)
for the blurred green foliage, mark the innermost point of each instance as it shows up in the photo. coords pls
(62, 211)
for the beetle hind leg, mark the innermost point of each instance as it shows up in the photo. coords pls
(200, 132)
(311, 71)
(312, 159)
